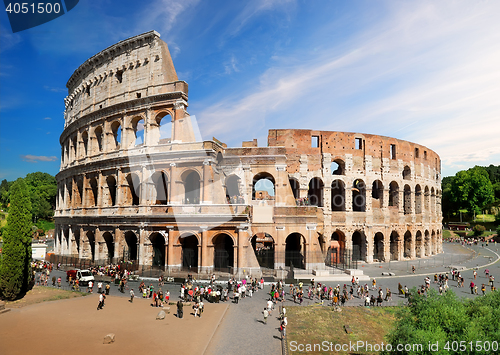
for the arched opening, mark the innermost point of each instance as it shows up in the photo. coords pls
(394, 246)
(406, 173)
(93, 191)
(116, 128)
(378, 247)
(69, 188)
(164, 129)
(295, 251)
(79, 191)
(358, 246)
(189, 244)
(158, 245)
(138, 127)
(337, 167)
(223, 252)
(110, 246)
(111, 182)
(263, 187)
(263, 247)
(427, 243)
(433, 243)
(394, 194)
(433, 201)
(335, 252)
(74, 145)
(85, 140)
(98, 138)
(160, 182)
(377, 194)
(419, 245)
(294, 184)
(134, 188)
(76, 235)
(418, 199)
(338, 195)
(91, 244)
(220, 158)
(358, 196)
(233, 189)
(131, 240)
(191, 187)
(315, 192)
(407, 200)
(407, 244)
(426, 199)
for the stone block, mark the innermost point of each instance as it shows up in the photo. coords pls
(161, 315)
(108, 339)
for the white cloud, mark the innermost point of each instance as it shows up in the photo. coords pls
(36, 158)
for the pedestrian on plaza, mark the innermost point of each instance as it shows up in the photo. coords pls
(101, 301)
(471, 287)
(132, 295)
(107, 288)
(180, 310)
(413, 268)
(483, 289)
(266, 314)
(90, 287)
(99, 287)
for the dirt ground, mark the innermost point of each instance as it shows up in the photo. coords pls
(42, 294)
(74, 326)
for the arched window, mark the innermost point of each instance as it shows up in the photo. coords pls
(160, 181)
(79, 191)
(98, 139)
(74, 145)
(377, 194)
(338, 195)
(407, 245)
(394, 194)
(117, 134)
(111, 184)
(426, 199)
(394, 246)
(89, 246)
(189, 244)
(407, 200)
(358, 246)
(263, 187)
(223, 252)
(162, 134)
(378, 247)
(337, 167)
(233, 189)
(94, 190)
(295, 251)
(315, 192)
(407, 173)
(138, 127)
(69, 187)
(110, 245)
(85, 140)
(131, 240)
(263, 247)
(191, 187)
(158, 245)
(134, 189)
(418, 199)
(358, 196)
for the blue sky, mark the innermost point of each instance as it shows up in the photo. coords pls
(423, 71)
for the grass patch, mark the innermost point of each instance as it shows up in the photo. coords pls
(45, 225)
(39, 294)
(485, 218)
(446, 234)
(315, 324)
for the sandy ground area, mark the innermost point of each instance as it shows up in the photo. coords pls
(74, 326)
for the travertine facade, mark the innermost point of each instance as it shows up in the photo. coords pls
(135, 184)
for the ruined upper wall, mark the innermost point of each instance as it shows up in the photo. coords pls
(300, 141)
(132, 69)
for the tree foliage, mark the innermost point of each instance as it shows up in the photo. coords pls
(446, 318)
(15, 270)
(478, 230)
(43, 191)
(471, 189)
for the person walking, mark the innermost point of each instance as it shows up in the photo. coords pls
(180, 310)
(472, 287)
(101, 301)
(132, 295)
(266, 314)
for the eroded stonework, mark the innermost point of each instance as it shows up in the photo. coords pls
(135, 184)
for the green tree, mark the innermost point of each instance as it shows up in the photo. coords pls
(43, 191)
(4, 193)
(478, 230)
(15, 268)
(446, 201)
(472, 189)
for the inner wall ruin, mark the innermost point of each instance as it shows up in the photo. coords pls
(136, 185)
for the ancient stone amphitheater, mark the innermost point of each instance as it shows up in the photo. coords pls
(136, 184)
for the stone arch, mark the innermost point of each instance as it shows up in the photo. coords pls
(93, 192)
(138, 129)
(358, 245)
(295, 186)
(338, 195)
(407, 245)
(111, 185)
(418, 199)
(427, 243)
(78, 191)
(419, 245)
(69, 188)
(116, 130)
(263, 247)
(191, 180)
(85, 142)
(337, 167)
(133, 191)
(378, 247)
(377, 194)
(223, 251)
(433, 201)
(76, 240)
(394, 246)
(406, 173)
(189, 243)
(160, 182)
(74, 146)
(158, 245)
(407, 200)
(358, 196)
(335, 252)
(131, 241)
(295, 251)
(263, 186)
(89, 245)
(393, 194)
(315, 192)
(233, 194)
(426, 199)
(162, 130)
(98, 136)
(433, 243)
(108, 245)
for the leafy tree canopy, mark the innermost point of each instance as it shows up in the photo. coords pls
(472, 189)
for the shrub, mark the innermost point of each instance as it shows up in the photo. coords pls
(478, 229)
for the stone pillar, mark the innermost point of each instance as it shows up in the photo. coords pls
(348, 198)
(204, 262)
(144, 245)
(369, 236)
(387, 244)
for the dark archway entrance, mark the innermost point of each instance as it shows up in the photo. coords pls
(189, 251)
(358, 246)
(263, 247)
(407, 245)
(158, 245)
(91, 240)
(192, 188)
(131, 240)
(110, 245)
(394, 245)
(295, 250)
(223, 253)
(378, 247)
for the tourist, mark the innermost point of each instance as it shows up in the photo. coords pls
(101, 301)
(132, 295)
(266, 314)
(180, 311)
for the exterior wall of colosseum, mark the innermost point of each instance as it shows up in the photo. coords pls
(135, 184)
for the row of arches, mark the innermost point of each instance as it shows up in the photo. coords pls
(114, 135)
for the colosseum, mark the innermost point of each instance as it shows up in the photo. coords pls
(137, 183)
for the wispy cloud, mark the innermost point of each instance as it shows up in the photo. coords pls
(54, 89)
(426, 72)
(230, 65)
(36, 158)
(47, 118)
